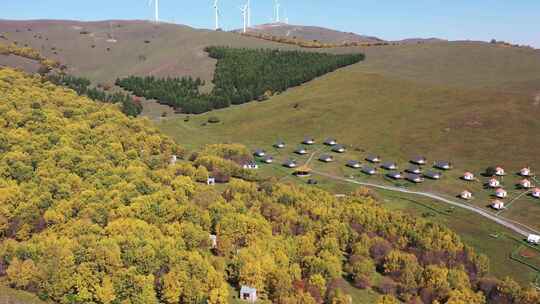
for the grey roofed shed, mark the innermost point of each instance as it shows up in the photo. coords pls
(259, 152)
(279, 144)
(419, 160)
(373, 158)
(389, 165)
(308, 141)
(432, 174)
(300, 150)
(326, 158)
(338, 148)
(369, 170)
(330, 141)
(414, 169)
(395, 175)
(444, 165)
(289, 163)
(415, 178)
(353, 164)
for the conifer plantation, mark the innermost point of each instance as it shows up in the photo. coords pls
(241, 75)
(93, 210)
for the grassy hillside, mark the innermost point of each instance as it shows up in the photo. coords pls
(473, 104)
(105, 50)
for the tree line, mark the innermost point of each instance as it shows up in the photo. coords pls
(83, 86)
(241, 75)
(93, 209)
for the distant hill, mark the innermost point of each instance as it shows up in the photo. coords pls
(311, 33)
(105, 50)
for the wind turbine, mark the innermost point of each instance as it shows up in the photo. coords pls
(216, 10)
(244, 10)
(156, 9)
(277, 7)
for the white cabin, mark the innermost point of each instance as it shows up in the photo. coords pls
(211, 181)
(525, 172)
(466, 195)
(213, 241)
(468, 176)
(173, 160)
(501, 193)
(533, 239)
(494, 183)
(251, 166)
(525, 184)
(248, 294)
(499, 171)
(497, 205)
(536, 193)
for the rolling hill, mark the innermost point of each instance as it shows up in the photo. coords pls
(311, 33)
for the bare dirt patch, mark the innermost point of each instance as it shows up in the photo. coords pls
(528, 253)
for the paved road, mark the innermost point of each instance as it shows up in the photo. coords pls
(512, 225)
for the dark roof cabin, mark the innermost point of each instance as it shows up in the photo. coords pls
(326, 158)
(330, 142)
(301, 151)
(443, 165)
(395, 175)
(259, 153)
(372, 158)
(279, 144)
(432, 174)
(338, 149)
(369, 170)
(308, 141)
(415, 178)
(419, 160)
(353, 164)
(389, 166)
(289, 163)
(268, 159)
(414, 169)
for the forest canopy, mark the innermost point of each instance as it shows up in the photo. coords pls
(241, 75)
(97, 207)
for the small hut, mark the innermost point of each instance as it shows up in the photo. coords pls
(389, 166)
(419, 160)
(468, 176)
(525, 184)
(308, 141)
(330, 142)
(369, 170)
(536, 193)
(279, 144)
(501, 193)
(338, 149)
(415, 178)
(525, 172)
(466, 195)
(395, 175)
(173, 159)
(301, 151)
(494, 183)
(497, 205)
(268, 159)
(499, 171)
(302, 171)
(326, 158)
(213, 241)
(248, 294)
(414, 169)
(353, 164)
(443, 165)
(259, 153)
(289, 163)
(372, 158)
(250, 165)
(432, 175)
(211, 181)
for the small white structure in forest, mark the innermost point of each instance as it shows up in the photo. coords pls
(248, 294)
(250, 165)
(468, 176)
(499, 171)
(525, 183)
(525, 172)
(501, 193)
(466, 195)
(533, 239)
(497, 205)
(211, 181)
(213, 241)
(173, 160)
(536, 192)
(494, 183)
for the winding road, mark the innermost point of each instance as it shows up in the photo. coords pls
(512, 225)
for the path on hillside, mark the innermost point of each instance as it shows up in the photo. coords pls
(512, 225)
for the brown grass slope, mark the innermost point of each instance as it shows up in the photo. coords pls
(105, 50)
(310, 33)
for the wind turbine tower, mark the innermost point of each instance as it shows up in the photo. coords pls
(277, 8)
(216, 10)
(244, 10)
(156, 9)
